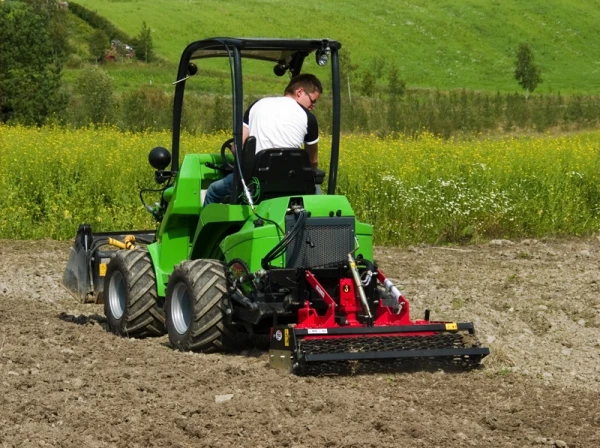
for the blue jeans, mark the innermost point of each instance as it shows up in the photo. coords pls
(218, 190)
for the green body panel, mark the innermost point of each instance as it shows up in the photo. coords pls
(217, 221)
(252, 243)
(176, 232)
(221, 231)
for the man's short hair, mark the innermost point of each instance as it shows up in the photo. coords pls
(309, 83)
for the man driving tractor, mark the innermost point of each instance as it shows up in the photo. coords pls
(279, 122)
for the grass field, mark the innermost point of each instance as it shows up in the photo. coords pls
(424, 190)
(443, 44)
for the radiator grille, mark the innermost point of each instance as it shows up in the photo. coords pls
(323, 242)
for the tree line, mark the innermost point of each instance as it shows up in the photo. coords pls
(398, 111)
(34, 48)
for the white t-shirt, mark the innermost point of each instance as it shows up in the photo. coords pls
(281, 122)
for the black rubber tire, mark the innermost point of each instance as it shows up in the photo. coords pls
(131, 304)
(197, 307)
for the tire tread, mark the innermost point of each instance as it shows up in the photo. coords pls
(208, 332)
(143, 315)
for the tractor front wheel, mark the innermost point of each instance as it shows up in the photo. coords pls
(196, 307)
(130, 300)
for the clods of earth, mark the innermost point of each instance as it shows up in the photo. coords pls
(66, 382)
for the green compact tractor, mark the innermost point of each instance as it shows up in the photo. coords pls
(279, 259)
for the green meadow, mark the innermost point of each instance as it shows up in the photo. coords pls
(435, 45)
(456, 61)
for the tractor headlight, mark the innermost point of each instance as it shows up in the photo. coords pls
(322, 58)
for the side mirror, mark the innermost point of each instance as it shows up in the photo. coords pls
(159, 158)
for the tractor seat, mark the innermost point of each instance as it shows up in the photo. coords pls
(283, 172)
(279, 172)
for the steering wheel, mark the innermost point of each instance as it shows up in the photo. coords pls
(226, 145)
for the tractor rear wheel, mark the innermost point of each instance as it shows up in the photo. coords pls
(196, 307)
(130, 300)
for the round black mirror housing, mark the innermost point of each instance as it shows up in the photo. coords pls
(159, 158)
(280, 69)
(192, 69)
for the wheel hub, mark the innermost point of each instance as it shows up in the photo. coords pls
(117, 295)
(181, 309)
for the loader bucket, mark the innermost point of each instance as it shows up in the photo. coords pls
(88, 258)
(348, 351)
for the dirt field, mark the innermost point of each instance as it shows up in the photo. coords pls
(65, 381)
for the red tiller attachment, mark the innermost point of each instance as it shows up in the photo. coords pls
(348, 339)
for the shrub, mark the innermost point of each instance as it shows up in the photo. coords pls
(95, 90)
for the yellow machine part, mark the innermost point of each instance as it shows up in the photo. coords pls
(127, 243)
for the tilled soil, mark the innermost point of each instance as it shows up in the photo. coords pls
(65, 381)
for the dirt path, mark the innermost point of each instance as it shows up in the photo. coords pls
(65, 381)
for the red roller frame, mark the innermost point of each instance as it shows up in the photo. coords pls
(349, 306)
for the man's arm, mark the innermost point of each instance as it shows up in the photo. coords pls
(245, 133)
(313, 154)
(244, 137)
(312, 136)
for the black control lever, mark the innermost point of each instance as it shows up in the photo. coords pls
(220, 168)
(161, 176)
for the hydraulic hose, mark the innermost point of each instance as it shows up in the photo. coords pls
(233, 288)
(243, 300)
(280, 247)
(391, 288)
(371, 269)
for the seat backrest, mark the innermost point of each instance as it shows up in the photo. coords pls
(283, 172)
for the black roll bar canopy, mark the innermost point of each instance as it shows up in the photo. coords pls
(287, 53)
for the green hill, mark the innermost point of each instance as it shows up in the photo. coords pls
(445, 44)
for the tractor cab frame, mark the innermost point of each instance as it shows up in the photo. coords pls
(287, 55)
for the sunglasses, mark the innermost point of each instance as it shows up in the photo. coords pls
(312, 102)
